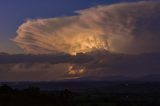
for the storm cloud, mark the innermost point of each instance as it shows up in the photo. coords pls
(129, 28)
(107, 41)
(97, 65)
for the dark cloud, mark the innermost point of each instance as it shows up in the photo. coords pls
(94, 65)
(132, 66)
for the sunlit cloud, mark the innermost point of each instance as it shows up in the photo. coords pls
(122, 28)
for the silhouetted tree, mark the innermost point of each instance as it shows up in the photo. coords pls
(5, 88)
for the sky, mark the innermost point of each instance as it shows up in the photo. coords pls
(14, 13)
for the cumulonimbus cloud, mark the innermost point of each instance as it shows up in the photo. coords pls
(122, 28)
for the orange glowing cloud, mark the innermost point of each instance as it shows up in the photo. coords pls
(122, 28)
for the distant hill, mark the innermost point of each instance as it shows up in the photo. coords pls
(3, 53)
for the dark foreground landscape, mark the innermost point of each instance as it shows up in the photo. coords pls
(90, 93)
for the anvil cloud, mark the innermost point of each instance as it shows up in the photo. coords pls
(130, 28)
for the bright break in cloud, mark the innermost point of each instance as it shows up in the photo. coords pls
(122, 28)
